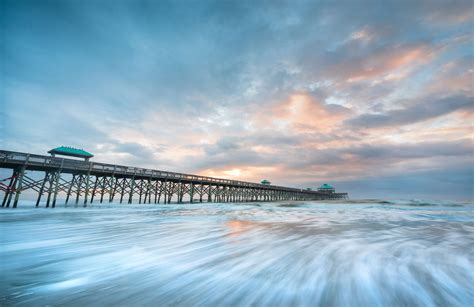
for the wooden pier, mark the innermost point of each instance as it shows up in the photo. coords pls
(90, 181)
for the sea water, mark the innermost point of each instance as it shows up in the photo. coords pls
(363, 253)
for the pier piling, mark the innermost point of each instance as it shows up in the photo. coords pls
(87, 179)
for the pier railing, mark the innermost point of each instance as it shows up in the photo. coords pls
(42, 161)
(110, 173)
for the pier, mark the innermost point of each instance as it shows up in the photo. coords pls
(83, 182)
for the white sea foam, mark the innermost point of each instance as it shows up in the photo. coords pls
(365, 253)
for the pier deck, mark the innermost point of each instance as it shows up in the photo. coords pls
(92, 179)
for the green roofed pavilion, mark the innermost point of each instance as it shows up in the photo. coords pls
(265, 182)
(326, 188)
(71, 152)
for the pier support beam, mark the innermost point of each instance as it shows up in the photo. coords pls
(20, 181)
(94, 189)
(132, 188)
(57, 176)
(8, 190)
(191, 192)
(79, 188)
(73, 181)
(40, 193)
(86, 192)
(113, 186)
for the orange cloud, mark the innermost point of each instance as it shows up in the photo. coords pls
(301, 113)
(388, 64)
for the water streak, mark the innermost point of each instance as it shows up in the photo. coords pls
(363, 253)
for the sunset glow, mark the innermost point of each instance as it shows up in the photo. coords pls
(297, 93)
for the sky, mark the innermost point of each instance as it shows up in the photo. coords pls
(374, 97)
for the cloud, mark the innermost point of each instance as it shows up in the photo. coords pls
(385, 62)
(300, 113)
(222, 146)
(412, 151)
(415, 113)
(442, 13)
(294, 91)
(454, 76)
(136, 150)
(449, 183)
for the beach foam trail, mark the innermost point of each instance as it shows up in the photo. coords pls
(364, 253)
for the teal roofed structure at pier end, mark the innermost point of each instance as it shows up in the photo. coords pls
(326, 188)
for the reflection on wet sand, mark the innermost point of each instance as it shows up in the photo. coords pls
(237, 228)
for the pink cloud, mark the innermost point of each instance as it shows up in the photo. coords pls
(301, 113)
(393, 62)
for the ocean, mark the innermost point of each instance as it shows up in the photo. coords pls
(351, 253)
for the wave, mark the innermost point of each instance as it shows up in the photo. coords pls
(379, 253)
(404, 202)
